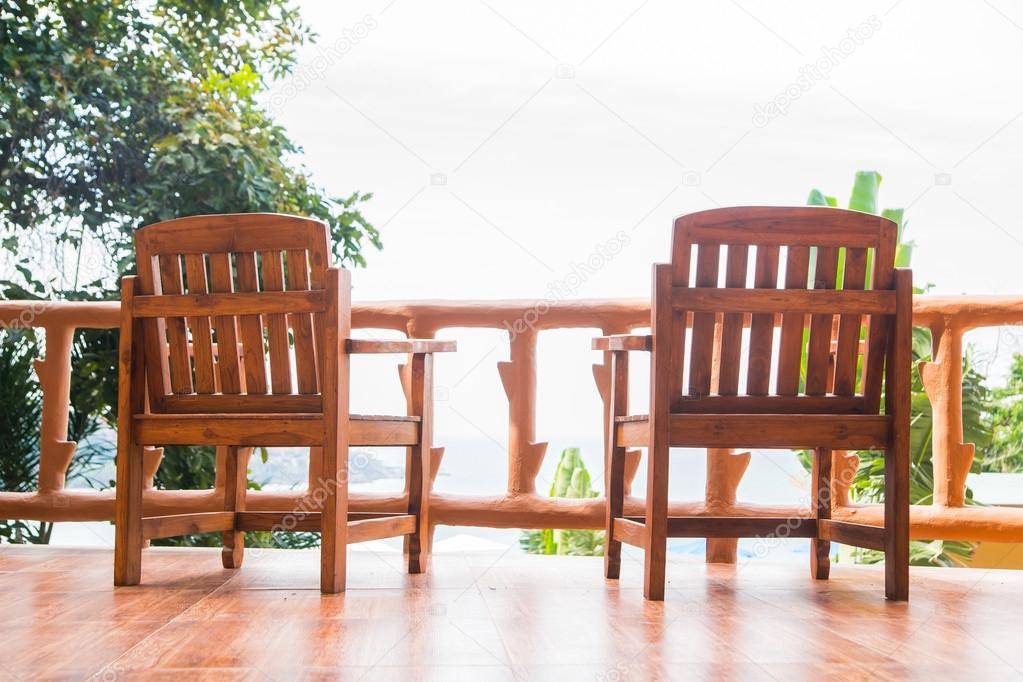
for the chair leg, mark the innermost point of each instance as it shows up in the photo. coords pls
(615, 509)
(332, 493)
(896, 523)
(656, 556)
(128, 516)
(417, 463)
(820, 550)
(236, 484)
(614, 461)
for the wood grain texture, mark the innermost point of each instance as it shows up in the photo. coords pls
(243, 303)
(761, 333)
(185, 524)
(620, 342)
(333, 485)
(818, 347)
(225, 327)
(847, 351)
(614, 468)
(306, 307)
(277, 337)
(789, 431)
(730, 348)
(236, 484)
(896, 465)
(854, 534)
(790, 344)
(417, 464)
(130, 399)
(251, 327)
(820, 498)
(301, 323)
(701, 352)
(631, 532)
(804, 411)
(201, 336)
(658, 435)
(764, 621)
(882, 278)
(401, 346)
(777, 301)
(179, 358)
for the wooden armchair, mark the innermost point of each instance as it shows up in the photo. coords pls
(697, 402)
(235, 333)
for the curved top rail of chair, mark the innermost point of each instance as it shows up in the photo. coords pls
(792, 226)
(232, 232)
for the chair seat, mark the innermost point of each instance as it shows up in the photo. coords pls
(838, 432)
(270, 429)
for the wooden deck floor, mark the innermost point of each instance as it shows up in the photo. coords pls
(492, 616)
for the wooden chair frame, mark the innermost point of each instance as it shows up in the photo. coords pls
(179, 388)
(834, 410)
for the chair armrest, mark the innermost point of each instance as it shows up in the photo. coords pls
(401, 346)
(624, 342)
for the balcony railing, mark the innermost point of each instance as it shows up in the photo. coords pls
(519, 506)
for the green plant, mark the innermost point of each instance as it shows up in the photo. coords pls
(19, 431)
(571, 480)
(1004, 453)
(868, 483)
(194, 468)
(21, 411)
(119, 114)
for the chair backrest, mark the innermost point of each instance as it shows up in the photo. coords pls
(825, 276)
(233, 309)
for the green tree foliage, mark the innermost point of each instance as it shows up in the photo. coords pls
(571, 480)
(868, 484)
(1004, 453)
(118, 114)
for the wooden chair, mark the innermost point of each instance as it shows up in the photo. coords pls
(258, 285)
(834, 405)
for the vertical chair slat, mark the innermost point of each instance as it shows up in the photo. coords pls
(251, 327)
(677, 360)
(302, 325)
(202, 341)
(177, 335)
(790, 346)
(319, 257)
(277, 326)
(877, 326)
(731, 326)
(761, 332)
(155, 332)
(702, 348)
(226, 327)
(818, 349)
(847, 350)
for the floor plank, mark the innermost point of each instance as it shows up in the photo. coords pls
(494, 616)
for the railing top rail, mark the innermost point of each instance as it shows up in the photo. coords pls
(966, 312)
(969, 312)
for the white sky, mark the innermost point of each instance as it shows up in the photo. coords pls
(557, 125)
